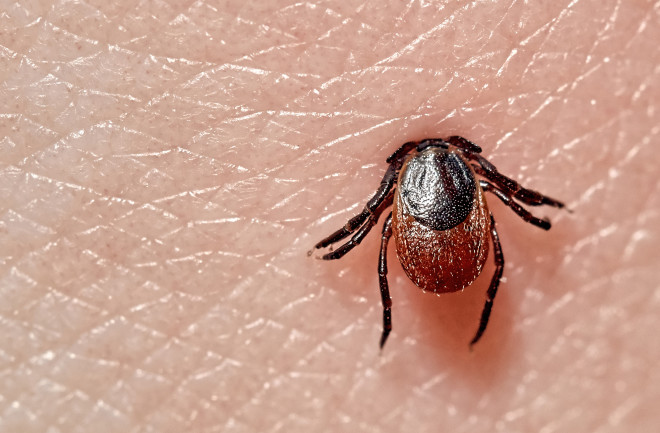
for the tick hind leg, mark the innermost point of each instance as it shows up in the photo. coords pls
(494, 282)
(382, 279)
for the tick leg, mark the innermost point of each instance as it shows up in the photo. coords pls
(455, 140)
(489, 171)
(402, 151)
(527, 196)
(494, 282)
(382, 279)
(463, 143)
(382, 194)
(508, 200)
(360, 234)
(429, 142)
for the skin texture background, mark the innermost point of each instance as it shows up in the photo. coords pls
(165, 167)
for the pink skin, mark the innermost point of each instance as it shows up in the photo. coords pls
(164, 170)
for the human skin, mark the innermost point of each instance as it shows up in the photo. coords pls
(164, 169)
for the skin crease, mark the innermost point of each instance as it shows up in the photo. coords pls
(165, 168)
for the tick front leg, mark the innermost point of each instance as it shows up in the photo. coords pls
(382, 279)
(359, 236)
(494, 282)
(527, 196)
(508, 200)
(463, 143)
(383, 194)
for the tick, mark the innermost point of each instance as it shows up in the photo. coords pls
(439, 218)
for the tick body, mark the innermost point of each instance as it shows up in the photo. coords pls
(440, 219)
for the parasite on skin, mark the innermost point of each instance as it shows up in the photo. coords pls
(439, 219)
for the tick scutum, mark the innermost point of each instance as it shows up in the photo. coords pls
(438, 188)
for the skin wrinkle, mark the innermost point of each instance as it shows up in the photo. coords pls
(163, 172)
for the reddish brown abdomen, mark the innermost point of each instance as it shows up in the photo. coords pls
(442, 261)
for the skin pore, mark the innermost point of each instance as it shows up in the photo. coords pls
(164, 168)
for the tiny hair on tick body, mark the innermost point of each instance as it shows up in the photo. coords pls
(439, 219)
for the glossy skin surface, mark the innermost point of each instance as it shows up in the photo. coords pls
(441, 223)
(248, 158)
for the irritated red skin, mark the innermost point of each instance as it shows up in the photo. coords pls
(442, 261)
